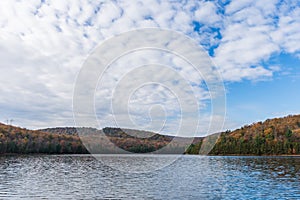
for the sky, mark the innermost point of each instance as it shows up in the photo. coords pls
(254, 44)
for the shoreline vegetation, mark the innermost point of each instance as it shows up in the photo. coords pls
(273, 137)
(89, 154)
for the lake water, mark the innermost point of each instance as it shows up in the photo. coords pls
(189, 177)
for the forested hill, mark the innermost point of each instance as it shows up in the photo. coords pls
(67, 130)
(121, 133)
(19, 140)
(64, 140)
(136, 141)
(272, 137)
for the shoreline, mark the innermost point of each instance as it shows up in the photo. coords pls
(228, 155)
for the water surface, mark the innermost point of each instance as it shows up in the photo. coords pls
(189, 177)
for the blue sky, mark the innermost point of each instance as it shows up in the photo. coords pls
(255, 45)
(275, 97)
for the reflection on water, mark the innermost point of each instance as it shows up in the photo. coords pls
(198, 177)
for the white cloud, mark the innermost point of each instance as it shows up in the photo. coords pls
(287, 34)
(252, 33)
(237, 5)
(43, 44)
(242, 49)
(207, 13)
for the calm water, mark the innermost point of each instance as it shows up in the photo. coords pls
(189, 177)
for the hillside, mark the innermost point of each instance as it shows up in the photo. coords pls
(136, 141)
(272, 137)
(19, 140)
(65, 140)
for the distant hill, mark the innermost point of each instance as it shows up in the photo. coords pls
(272, 137)
(113, 132)
(137, 141)
(19, 140)
(66, 130)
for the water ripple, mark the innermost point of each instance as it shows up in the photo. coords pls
(190, 177)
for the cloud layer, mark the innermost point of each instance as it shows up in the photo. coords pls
(44, 44)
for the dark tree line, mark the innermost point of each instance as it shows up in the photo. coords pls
(273, 137)
(18, 140)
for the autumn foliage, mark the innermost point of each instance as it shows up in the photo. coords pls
(272, 137)
(19, 140)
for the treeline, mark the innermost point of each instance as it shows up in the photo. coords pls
(69, 130)
(61, 130)
(259, 145)
(23, 141)
(272, 137)
(109, 140)
(66, 141)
